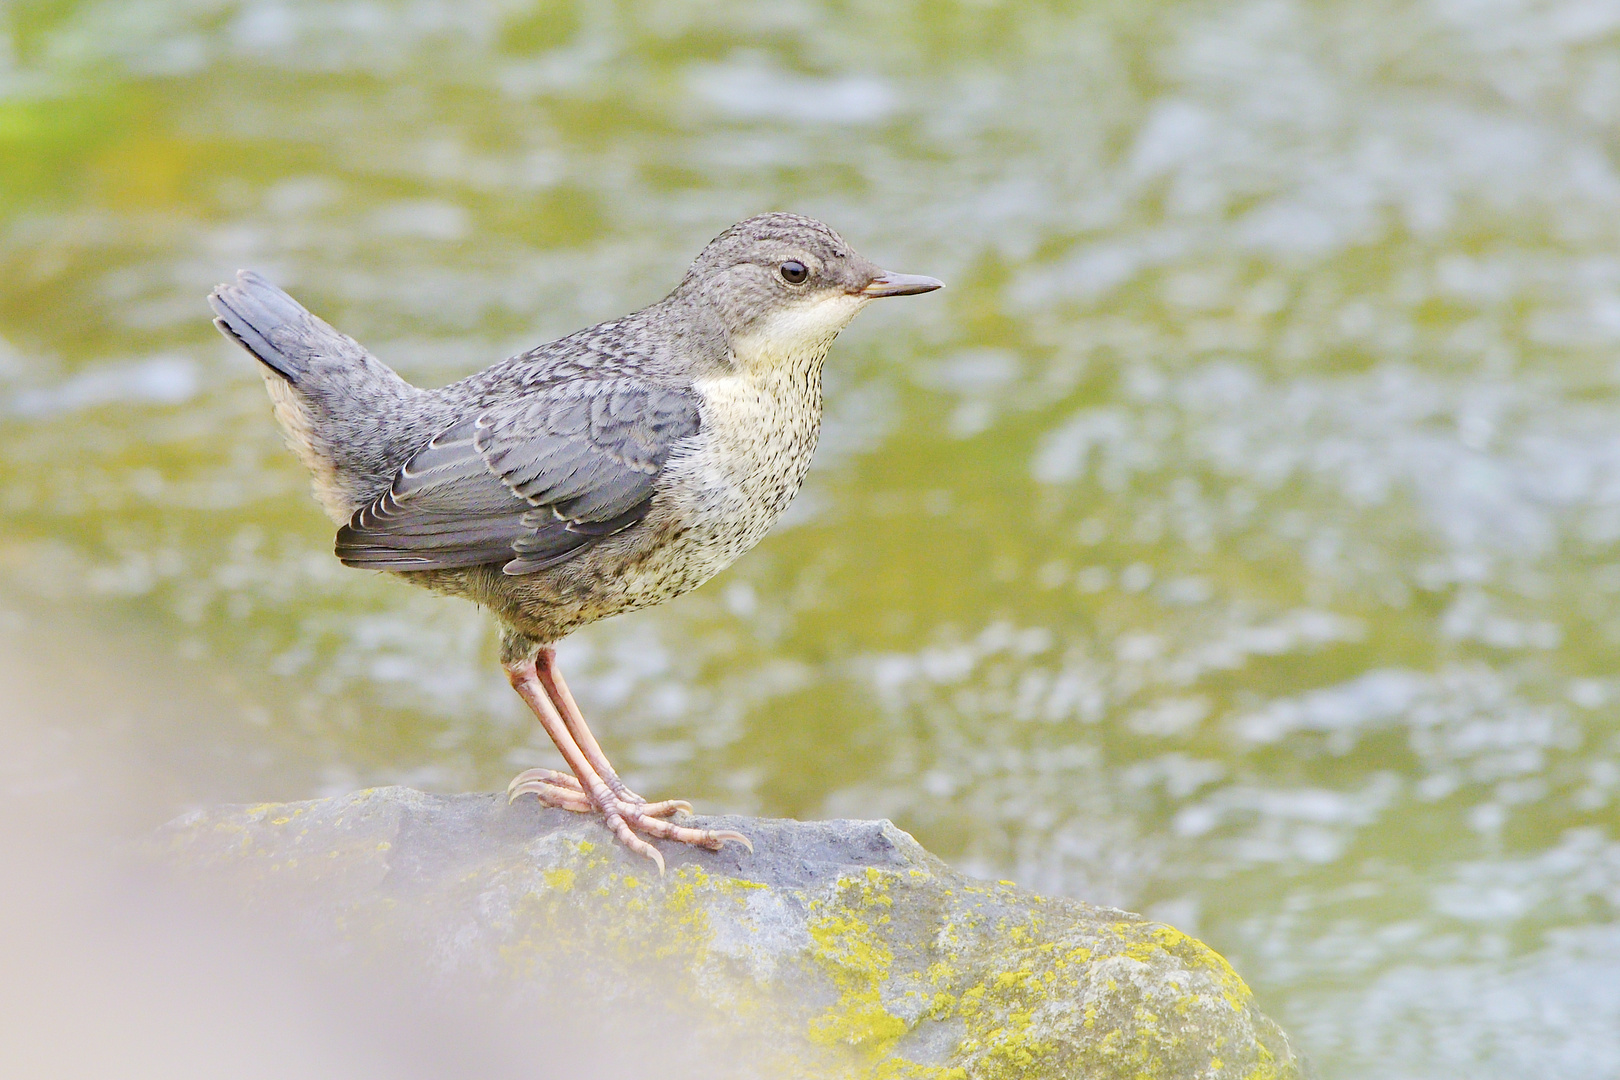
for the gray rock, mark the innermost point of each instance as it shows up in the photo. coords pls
(837, 948)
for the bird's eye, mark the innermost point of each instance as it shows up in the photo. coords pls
(794, 272)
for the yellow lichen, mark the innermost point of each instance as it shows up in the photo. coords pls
(850, 950)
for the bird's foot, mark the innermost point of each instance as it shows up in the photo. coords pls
(626, 819)
(565, 792)
(626, 814)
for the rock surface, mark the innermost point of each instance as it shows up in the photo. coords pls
(837, 949)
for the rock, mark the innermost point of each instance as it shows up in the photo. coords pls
(837, 948)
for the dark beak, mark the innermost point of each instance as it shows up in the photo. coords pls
(888, 284)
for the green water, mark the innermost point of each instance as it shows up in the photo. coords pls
(1236, 539)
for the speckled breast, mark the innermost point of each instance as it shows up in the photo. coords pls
(722, 493)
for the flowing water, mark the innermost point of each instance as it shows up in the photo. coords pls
(1236, 539)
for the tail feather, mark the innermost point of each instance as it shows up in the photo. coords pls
(274, 327)
(348, 416)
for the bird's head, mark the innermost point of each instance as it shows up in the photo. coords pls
(783, 286)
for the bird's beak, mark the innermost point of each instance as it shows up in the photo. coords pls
(890, 284)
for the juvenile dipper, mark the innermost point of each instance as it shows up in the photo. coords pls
(602, 472)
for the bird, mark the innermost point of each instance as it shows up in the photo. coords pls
(606, 471)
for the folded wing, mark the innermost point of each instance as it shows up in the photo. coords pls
(526, 484)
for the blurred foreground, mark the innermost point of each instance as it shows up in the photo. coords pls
(109, 968)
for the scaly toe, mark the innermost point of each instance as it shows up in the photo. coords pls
(664, 809)
(545, 776)
(621, 829)
(713, 839)
(552, 795)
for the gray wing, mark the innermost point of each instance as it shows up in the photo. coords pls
(527, 483)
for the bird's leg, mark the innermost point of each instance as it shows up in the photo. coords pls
(551, 678)
(553, 788)
(526, 681)
(624, 817)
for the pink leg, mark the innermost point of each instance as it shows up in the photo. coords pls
(623, 816)
(551, 678)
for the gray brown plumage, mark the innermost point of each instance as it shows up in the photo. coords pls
(599, 473)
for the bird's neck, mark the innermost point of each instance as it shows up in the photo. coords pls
(771, 388)
(793, 341)
(778, 363)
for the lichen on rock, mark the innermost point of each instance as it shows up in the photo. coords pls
(835, 949)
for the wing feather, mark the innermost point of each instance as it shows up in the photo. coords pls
(528, 483)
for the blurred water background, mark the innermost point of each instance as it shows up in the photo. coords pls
(1236, 540)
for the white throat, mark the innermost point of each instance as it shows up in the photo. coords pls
(797, 335)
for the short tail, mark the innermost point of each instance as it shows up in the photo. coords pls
(273, 326)
(347, 415)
